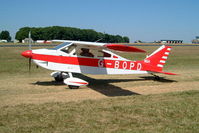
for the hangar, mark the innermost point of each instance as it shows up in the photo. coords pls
(196, 41)
(171, 41)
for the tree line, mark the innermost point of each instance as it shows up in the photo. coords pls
(5, 35)
(68, 33)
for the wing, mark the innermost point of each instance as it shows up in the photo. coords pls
(124, 48)
(110, 46)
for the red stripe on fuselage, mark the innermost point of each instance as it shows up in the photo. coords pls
(92, 62)
(67, 60)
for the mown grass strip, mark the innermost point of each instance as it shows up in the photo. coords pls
(173, 112)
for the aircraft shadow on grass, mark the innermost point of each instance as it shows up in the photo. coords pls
(104, 86)
(161, 79)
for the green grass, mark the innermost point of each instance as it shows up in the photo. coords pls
(174, 112)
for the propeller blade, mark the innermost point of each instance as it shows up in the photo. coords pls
(29, 64)
(29, 38)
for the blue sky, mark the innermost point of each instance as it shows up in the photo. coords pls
(145, 20)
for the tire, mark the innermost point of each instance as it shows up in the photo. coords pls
(157, 78)
(59, 78)
(73, 87)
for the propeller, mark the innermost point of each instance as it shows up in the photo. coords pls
(29, 62)
(28, 53)
(29, 40)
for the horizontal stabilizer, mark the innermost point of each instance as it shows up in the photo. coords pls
(124, 48)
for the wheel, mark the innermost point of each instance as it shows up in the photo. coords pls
(73, 87)
(59, 78)
(157, 78)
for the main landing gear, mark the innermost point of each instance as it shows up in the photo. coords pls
(59, 76)
(73, 87)
(69, 85)
(68, 79)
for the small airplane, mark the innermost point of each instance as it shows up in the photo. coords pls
(94, 58)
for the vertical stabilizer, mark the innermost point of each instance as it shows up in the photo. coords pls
(158, 58)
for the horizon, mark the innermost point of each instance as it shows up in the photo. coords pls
(143, 20)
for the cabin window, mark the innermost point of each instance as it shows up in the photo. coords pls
(69, 49)
(61, 45)
(86, 52)
(103, 54)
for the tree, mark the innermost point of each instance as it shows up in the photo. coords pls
(126, 39)
(5, 35)
(23, 33)
(68, 33)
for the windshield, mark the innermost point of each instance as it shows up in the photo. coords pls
(61, 45)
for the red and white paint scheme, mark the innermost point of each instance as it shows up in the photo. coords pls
(94, 58)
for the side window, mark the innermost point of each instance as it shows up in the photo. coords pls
(103, 54)
(106, 54)
(86, 52)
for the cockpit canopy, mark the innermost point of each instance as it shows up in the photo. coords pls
(73, 49)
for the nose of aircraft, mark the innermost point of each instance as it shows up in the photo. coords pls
(27, 53)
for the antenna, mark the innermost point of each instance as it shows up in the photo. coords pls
(99, 40)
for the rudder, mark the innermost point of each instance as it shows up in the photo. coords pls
(158, 58)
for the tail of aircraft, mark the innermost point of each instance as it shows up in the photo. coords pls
(157, 60)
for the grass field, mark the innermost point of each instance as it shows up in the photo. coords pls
(120, 103)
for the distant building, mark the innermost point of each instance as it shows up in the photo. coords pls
(44, 41)
(138, 41)
(16, 41)
(196, 41)
(4, 41)
(27, 40)
(171, 41)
